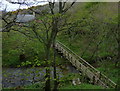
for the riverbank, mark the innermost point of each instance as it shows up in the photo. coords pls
(14, 77)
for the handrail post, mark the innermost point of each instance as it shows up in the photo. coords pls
(80, 66)
(93, 80)
(71, 58)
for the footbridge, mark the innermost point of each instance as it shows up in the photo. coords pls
(80, 64)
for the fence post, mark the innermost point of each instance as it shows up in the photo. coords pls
(93, 80)
(64, 54)
(80, 67)
(71, 59)
(68, 56)
(116, 86)
(99, 75)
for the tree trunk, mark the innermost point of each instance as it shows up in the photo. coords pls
(54, 66)
(47, 77)
(47, 83)
(48, 46)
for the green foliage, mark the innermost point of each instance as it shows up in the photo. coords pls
(91, 4)
(14, 57)
(108, 68)
(13, 60)
(97, 23)
(39, 85)
(15, 44)
(94, 34)
(33, 63)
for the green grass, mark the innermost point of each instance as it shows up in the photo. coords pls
(108, 68)
(15, 44)
(34, 86)
(81, 86)
(66, 87)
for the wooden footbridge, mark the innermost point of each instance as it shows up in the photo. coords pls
(93, 74)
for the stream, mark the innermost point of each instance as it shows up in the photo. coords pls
(13, 77)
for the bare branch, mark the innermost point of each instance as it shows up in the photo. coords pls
(65, 10)
(51, 5)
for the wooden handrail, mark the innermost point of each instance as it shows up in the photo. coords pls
(86, 63)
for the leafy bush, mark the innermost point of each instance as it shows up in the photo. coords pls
(12, 58)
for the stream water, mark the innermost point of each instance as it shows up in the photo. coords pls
(13, 77)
